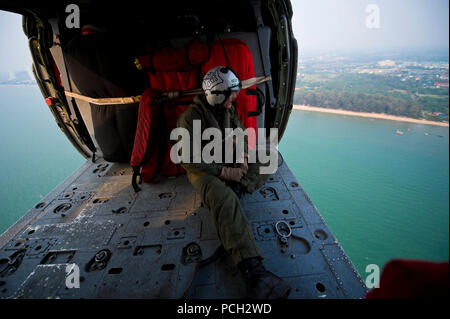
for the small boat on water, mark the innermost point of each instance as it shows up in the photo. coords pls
(399, 132)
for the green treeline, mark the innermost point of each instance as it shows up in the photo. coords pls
(373, 94)
(358, 102)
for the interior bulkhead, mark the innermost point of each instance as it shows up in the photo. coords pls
(97, 59)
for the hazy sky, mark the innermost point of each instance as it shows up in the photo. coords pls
(14, 53)
(318, 25)
(341, 24)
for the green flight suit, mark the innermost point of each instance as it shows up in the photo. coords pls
(222, 202)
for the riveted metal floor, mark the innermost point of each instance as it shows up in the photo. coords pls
(160, 242)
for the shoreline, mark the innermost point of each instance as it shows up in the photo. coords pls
(367, 115)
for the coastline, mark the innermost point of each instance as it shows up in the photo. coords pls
(369, 115)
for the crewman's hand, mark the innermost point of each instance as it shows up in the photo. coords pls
(231, 174)
(244, 165)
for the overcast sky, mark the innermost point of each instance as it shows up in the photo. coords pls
(14, 53)
(318, 25)
(341, 24)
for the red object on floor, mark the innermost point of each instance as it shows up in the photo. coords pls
(412, 279)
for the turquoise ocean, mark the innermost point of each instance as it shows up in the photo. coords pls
(35, 155)
(383, 195)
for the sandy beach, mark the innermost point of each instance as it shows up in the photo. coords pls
(370, 115)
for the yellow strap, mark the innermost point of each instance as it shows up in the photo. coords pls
(254, 81)
(172, 95)
(105, 101)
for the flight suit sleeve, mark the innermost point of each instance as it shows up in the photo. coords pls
(186, 121)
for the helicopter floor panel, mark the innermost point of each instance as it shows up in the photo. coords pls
(93, 229)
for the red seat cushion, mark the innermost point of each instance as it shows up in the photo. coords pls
(159, 120)
(240, 59)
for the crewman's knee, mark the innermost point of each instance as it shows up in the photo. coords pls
(216, 193)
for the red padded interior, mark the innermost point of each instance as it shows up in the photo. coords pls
(180, 70)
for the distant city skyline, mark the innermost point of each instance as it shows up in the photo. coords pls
(318, 25)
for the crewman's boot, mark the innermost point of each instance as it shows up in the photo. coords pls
(262, 284)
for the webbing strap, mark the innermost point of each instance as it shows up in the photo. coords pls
(255, 81)
(105, 101)
(171, 95)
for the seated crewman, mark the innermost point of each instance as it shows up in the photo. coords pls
(215, 109)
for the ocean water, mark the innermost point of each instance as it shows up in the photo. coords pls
(35, 155)
(383, 195)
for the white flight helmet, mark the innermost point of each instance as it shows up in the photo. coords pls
(218, 83)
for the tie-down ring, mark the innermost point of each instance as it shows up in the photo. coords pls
(282, 226)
